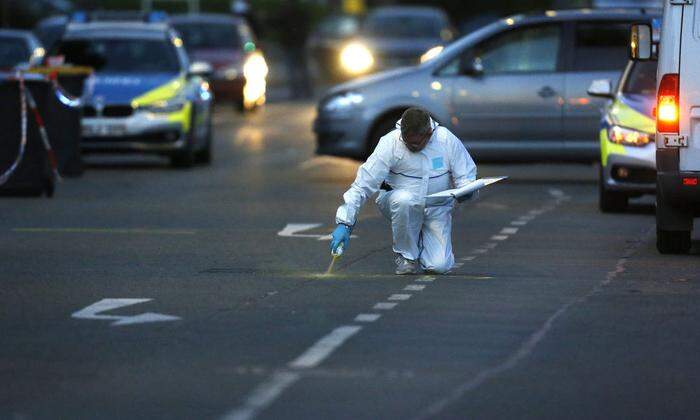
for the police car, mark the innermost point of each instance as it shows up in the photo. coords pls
(677, 121)
(145, 96)
(627, 151)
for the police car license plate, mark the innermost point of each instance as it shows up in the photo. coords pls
(676, 141)
(104, 130)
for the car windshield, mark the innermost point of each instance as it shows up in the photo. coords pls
(13, 51)
(121, 55)
(402, 26)
(208, 35)
(642, 79)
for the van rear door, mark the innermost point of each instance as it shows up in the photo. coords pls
(690, 87)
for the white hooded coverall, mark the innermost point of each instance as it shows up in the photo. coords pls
(421, 229)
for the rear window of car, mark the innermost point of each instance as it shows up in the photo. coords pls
(13, 51)
(641, 79)
(121, 55)
(210, 35)
(601, 46)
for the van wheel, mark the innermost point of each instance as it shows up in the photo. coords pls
(610, 201)
(673, 242)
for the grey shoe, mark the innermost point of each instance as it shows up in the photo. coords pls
(406, 266)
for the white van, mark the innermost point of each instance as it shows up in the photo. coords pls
(677, 121)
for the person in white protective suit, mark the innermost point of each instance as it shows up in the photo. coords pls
(416, 159)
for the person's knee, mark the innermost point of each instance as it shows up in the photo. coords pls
(401, 199)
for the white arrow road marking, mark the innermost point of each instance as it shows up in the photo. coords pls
(292, 231)
(93, 312)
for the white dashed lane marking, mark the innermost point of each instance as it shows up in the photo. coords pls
(367, 317)
(499, 237)
(426, 278)
(509, 231)
(400, 296)
(470, 258)
(324, 347)
(414, 287)
(385, 306)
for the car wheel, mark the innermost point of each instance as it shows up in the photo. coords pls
(673, 242)
(610, 201)
(204, 155)
(673, 227)
(185, 158)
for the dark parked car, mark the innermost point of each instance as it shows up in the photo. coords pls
(326, 42)
(229, 46)
(19, 48)
(395, 36)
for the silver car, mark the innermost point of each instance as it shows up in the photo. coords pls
(515, 90)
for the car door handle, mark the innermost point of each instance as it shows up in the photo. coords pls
(546, 92)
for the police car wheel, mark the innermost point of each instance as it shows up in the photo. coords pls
(204, 155)
(610, 201)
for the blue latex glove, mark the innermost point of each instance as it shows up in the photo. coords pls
(341, 235)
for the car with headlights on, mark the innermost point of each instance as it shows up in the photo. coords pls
(395, 36)
(145, 95)
(514, 90)
(227, 43)
(19, 49)
(627, 134)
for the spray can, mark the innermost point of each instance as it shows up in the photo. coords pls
(338, 251)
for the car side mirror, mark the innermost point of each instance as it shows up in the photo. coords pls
(471, 66)
(641, 42)
(201, 69)
(601, 88)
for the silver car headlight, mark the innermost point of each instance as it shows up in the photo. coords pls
(343, 102)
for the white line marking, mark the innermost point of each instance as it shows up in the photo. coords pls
(292, 231)
(527, 218)
(414, 287)
(470, 258)
(400, 296)
(509, 231)
(480, 251)
(426, 278)
(367, 317)
(458, 265)
(264, 395)
(324, 347)
(528, 346)
(385, 306)
(499, 237)
(519, 222)
(556, 193)
(93, 312)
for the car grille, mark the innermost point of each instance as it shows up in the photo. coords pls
(109, 111)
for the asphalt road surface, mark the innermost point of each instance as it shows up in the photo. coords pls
(145, 292)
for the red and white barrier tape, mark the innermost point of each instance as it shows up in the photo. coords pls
(26, 99)
(44, 135)
(65, 98)
(5, 176)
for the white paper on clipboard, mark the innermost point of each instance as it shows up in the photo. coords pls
(467, 189)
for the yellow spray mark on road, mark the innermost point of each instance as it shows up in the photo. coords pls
(107, 231)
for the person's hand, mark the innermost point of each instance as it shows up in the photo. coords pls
(341, 235)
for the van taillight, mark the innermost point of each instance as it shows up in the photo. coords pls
(667, 108)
